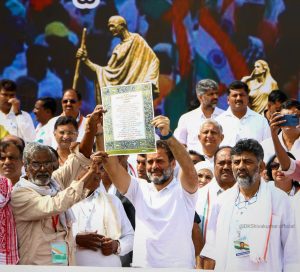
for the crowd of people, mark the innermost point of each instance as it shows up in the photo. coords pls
(220, 193)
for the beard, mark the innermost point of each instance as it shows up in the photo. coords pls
(166, 174)
(41, 180)
(247, 181)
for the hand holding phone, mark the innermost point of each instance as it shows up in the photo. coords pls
(292, 120)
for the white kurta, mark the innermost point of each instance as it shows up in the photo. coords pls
(207, 196)
(87, 214)
(282, 251)
(164, 221)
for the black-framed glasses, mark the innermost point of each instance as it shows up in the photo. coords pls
(37, 165)
(274, 165)
(72, 101)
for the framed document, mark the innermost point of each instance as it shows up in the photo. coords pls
(127, 122)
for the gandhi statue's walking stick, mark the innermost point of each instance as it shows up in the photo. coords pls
(76, 74)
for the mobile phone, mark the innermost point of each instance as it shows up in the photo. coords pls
(292, 120)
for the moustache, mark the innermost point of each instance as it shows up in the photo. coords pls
(44, 175)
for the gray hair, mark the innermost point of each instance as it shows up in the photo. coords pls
(205, 85)
(213, 122)
(31, 148)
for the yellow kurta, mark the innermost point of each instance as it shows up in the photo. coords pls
(33, 214)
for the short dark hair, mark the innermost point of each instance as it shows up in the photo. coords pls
(4, 145)
(291, 103)
(65, 120)
(268, 166)
(193, 152)
(237, 84)
(14, 139)
(77, 93)
(54, 151)
(248, 145)
(164, 145)
(220, 149)
(49, 103)
(277, 95)
(8, 85)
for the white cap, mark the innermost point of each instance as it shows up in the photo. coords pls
(204, 165)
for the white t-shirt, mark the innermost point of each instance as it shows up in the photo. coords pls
(164, 221)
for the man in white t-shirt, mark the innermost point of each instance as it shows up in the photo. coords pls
(165, 208)
(190, 122)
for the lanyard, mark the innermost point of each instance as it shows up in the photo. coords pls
(55, 222)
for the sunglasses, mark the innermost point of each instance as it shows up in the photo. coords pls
(274, 165)
(72, 101)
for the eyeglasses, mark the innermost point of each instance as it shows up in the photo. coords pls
(37, 165)
(72, 101)
(243, 204)
(274, 165)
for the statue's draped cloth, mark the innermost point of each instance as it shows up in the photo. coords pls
(259, 93)
(135, 62)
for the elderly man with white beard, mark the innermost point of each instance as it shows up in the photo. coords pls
(252, 227)
(41, 209)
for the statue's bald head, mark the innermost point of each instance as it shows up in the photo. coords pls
(117, 20)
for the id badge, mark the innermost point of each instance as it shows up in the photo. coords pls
(59, 253)
(241, 247)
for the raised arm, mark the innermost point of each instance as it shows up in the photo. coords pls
(281, 154)
(118, 175)
(86, 145)
(188, 176)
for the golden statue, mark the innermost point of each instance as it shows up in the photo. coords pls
(132, 60)
(260, 84)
